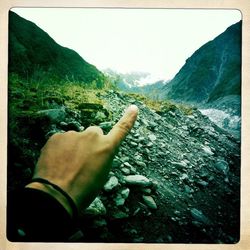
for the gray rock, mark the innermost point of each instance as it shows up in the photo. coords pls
(152, 137)
(179, 165)
(127, 164)
(125, 171)
(184, 177)
(95, 208)
(121, 197)
(125, 193)
(141, 164)
(222, 166)
(111, 184)
(153, 124)
(138, 180)
(171, 113)
(119, 200)
(134, 144)
(197, 223)
(146, 190)
(116, 163)
(125, 159)
(138, 239)
(136, 135)
(202, 183)
(106, 125)
(100, 116)
(100, 222)
(141, 139)
(150, 144)
(188, 189)
(144, 122)
(120, 215)
(199, 216)
(74, 125)
(184, 127)
(55, 115)
(149, 201)
(207, 150)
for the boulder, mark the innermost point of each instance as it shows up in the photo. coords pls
(149, 201)
(137, 180)
(95, 208)
(111, 184)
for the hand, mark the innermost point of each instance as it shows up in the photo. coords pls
(79, 162)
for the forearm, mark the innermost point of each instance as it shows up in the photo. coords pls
(34, 215)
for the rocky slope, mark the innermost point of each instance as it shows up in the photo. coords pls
(176, 177)
(212, 72)
(34, 55)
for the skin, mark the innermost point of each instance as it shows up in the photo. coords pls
(79, 162)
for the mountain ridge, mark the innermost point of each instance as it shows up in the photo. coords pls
(34, 54)
(211, 72)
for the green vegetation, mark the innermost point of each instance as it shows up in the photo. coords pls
(44, 75)
(32, 96)
(33, 54)
(26, 98)
(163, 106)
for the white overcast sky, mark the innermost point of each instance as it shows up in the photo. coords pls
(157, 41)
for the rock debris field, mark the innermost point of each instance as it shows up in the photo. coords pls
(175, 178)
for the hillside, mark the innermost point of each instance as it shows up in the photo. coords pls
(34, 55)
(176, 178)
(212, 72)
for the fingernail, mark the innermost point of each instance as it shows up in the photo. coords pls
(132, 109)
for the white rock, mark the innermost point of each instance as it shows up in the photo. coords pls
(149, 201)
(152, 137)
(111, 183)
(138, 180)
(96, 208)
(207, 150)
(125, 171)
(125, 193)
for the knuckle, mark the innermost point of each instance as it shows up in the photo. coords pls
(93, 131)
(124, 126)
(71, 132)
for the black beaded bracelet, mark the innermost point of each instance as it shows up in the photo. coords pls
(71, 202)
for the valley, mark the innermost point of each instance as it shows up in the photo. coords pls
(176, 177)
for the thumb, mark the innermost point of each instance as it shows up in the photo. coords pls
(124, 125)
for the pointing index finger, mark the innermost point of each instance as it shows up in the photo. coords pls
(124, 125)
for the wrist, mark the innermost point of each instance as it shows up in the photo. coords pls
(54, 193)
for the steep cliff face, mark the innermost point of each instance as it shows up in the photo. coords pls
(33, 54)
(212, 72)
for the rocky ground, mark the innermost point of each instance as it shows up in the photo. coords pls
(176, 177)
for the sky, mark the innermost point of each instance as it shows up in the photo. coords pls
(157, 41)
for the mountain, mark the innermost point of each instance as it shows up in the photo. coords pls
(212, 72)
(137, 82)
(126, 81)
(175, 178)
(33, 54)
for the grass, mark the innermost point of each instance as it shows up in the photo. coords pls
(32, 96)
(162, 106)
(28, 97)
